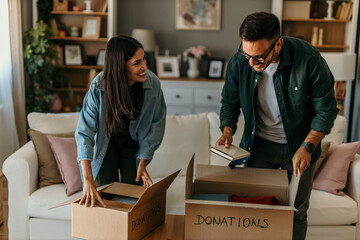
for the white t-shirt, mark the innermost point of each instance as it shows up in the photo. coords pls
(269, 124)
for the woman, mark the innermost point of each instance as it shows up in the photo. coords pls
(122, 121)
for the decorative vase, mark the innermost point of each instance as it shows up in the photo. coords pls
(56, 105)
(193, 71)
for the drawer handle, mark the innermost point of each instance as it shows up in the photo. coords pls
(209, 97)
(177, 96)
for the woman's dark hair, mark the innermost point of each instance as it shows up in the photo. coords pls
(119, 102)
(260, 25)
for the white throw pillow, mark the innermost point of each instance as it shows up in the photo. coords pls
(184, 136)
(53, 123)
(215, 134)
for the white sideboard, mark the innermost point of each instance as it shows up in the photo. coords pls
(186, 96)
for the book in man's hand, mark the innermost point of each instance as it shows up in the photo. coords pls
(232, 153)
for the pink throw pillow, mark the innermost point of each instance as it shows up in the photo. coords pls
(332, 175)
(64, 149)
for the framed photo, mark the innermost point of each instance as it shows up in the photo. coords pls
(101, 58)
(167, 66)
(198, 15)
(72, 55)
(215, 69)
(91, 27)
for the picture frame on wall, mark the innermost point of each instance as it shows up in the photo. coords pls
(167, 67)
(215, 68)
(198, 15)
(100, 58)
(72, 54)
(91, 27)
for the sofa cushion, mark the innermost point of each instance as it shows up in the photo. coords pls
(64, 150)
(332, 175)
(51, 123)
(324, 151)
(215, 134)
(44, 198)
(337, 132)
(184, 136)
(175, 196)
(329, 209)
(48, 170)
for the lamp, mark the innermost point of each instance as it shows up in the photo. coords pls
(147, 38)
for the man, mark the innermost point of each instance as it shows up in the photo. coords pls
(285, 90)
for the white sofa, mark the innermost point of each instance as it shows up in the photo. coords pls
(330, 216)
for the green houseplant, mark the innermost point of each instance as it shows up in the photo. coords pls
(40, 62)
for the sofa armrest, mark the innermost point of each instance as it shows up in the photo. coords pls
(21, 171)
(352, 188)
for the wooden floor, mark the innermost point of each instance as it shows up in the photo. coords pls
(4, 225)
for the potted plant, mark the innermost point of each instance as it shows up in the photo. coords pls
(40, 62)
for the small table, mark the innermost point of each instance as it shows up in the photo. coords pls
(172, 229)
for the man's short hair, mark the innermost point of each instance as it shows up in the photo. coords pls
(260, 25)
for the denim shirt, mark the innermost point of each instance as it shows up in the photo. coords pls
(304, 88)
(147, 129)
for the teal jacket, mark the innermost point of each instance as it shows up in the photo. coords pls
(148, 129)
(304, 89)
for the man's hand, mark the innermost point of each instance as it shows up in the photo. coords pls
(226, 138)
(143, 174)
(301, 160)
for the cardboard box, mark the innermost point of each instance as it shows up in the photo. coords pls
(121, 220)
(296, 9)
(232, 220)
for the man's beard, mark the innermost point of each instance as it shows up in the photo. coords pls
(275, 58)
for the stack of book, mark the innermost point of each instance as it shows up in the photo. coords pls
(344, 11)
(232, 153)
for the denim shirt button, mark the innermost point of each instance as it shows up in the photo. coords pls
(249, 148)
(296, 88)
(256, 80)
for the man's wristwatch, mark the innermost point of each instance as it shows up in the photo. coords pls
(309, 147)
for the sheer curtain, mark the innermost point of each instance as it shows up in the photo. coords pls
(8, 134)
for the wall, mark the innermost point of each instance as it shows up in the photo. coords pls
(159, 15)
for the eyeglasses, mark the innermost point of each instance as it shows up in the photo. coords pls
(258, 59)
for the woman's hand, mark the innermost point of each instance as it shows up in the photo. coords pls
(143, 174)
(90, 195)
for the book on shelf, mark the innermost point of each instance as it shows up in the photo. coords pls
(340, 90)
(344, 11)
(350, 13)
(232, 153)
(102, 6)
(338, 11)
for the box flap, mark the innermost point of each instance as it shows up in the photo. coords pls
(99, 189)
(124, 189)
(189, 178)
(294, 184)
(250, 176)
(156, 190)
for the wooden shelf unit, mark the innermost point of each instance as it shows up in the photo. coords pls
(82, 39)
(339, 39)
(88, 67)
(315, 20)
(79, 13)
(333, 38)
(78, 76)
